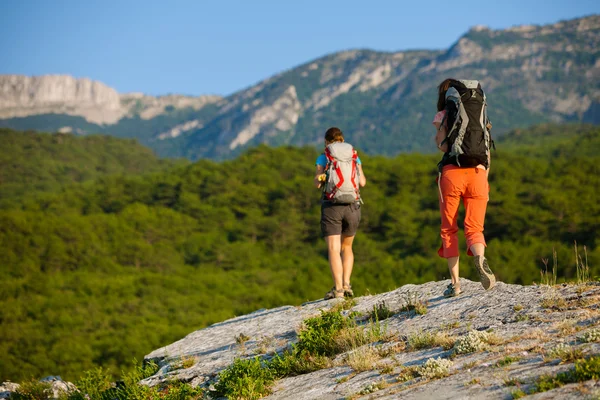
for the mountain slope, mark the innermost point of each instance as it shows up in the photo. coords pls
(384, 102)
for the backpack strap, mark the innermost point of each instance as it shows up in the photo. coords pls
(326, 171)
(456, 149)
(356, 173)
(354, 169)
(328, 156)
(332, 165)
(487, 121)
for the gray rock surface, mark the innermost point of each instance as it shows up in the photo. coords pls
(57, 388)
(6, 388)
(527, 324)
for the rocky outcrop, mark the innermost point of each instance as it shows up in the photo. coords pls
(528, 329)
(348, 71)
(495, 344)
(21, 96)
(148, 107)
(179, 129)
(55, 388)
(6, 388)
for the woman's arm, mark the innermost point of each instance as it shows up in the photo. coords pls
(440, 135)
(320, 171)
(362, 180)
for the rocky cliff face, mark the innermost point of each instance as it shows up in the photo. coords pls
(491, 343)
(279, 116)
(22, 96)
(384, 102)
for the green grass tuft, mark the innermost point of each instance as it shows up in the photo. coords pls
(33, 390)
(381, 311)
(507, 361)
(319, 333)
(244, 379)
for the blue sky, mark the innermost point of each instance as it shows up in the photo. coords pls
(219, 47)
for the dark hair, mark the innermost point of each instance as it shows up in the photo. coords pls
(334, 134)
(442, 89)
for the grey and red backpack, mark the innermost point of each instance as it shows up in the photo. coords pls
(342, 182)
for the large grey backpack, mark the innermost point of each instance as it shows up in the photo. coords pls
(342, 184)
(468, 136)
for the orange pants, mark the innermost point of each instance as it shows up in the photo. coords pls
(470, 185)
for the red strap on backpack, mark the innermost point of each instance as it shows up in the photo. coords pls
(354, 164)
(334, 166)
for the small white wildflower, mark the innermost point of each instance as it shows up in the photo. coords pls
(559, 350)
(592, 335)
(471, 342)
(435, 368)
(371, 388)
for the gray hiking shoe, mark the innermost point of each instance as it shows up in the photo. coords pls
(452, 291)
(486, 276)
(334, 294)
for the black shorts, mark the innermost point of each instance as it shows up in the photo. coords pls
(339, 219)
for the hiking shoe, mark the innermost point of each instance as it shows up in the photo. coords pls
(486, 276)
(348, 291)
(334, 294)
(452, 291)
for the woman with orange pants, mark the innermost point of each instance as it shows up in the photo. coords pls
(466, 181)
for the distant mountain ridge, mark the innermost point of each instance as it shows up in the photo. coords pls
(383, 101)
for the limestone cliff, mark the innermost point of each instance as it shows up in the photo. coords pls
(22, 96)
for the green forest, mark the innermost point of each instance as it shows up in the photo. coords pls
(108, 253)
(34, 162)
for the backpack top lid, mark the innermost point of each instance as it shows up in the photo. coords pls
(341, 151)
(470, 83)
(463, 86)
